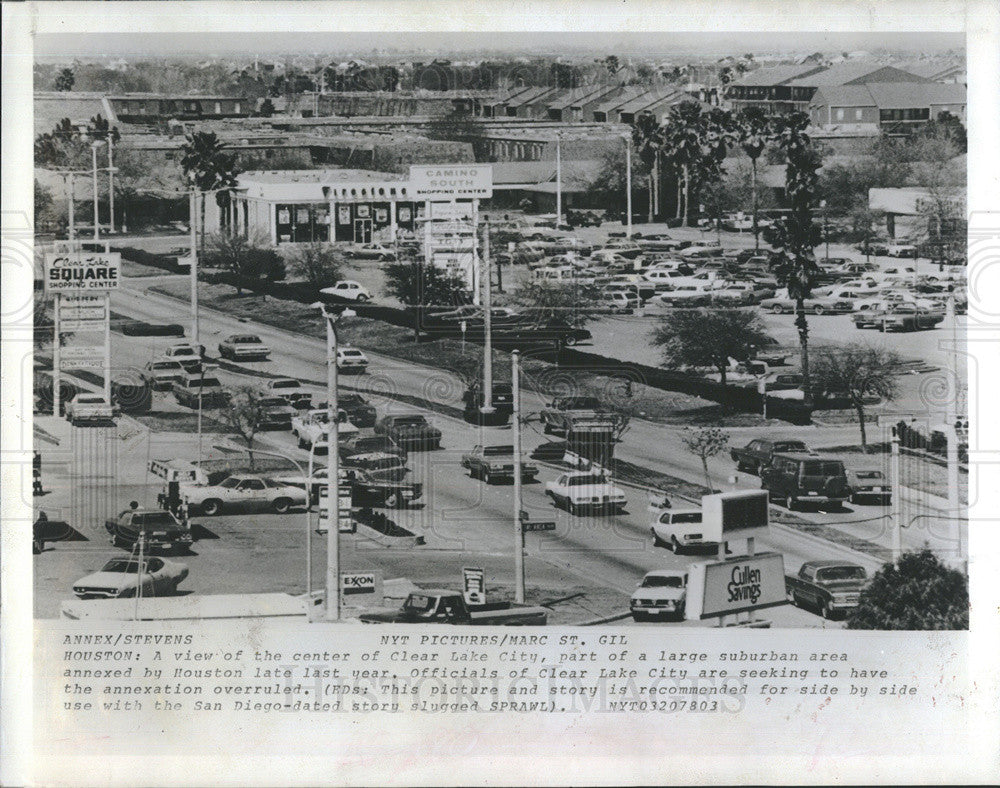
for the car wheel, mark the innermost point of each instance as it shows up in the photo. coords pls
(392, 501)
(547, 429)
(657, 541)
(212, 507)
(675, 545)
(777, 309)
(569, 341)
(796, 600)
(639, 617)
(361, 298)
(827, 610)
(790, 503)
(571, 508)
(488, 477)
(740, 465)
(281, 505)
(818, 310)
(302, 443)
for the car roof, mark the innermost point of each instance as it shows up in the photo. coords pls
(666, 573)
(820, 564)
(374, 455)
(682, 511)
(798, 455)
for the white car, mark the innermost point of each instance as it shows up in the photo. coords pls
(349, 290)
(86, 407)
(313, 428)
(243, 491)
(679, 528)
(350, 359)
(122, 577)
(188, 356)
(581, 491)
(290, 390)
(243, 347)
(901, 250)
(662, 592)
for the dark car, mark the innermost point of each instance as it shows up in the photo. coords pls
(869, 484)
(366, 444)
(805, 478)
(758, 453)
(502, 402)
(411, 431)
(277, 413)
(358, 411)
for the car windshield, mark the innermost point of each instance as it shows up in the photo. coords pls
(841, 573)
(203, 382)
(822, 469)
(589, 478)
(272, 483)
(411, 421)
(790, 446)
(351, 399)
(272, 402)
(659, 581)
(582, 403)
(373, 444)
(89, 398)
(230, 482)
(681, 517)
(419, 603)
(284, 384)
(167, 365)
(352, 352)
(384, 462)
(246, 340)
(122, 565)
(497, 451)
(154, 519)
(869, 474)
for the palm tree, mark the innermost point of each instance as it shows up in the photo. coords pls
(208, 167)
(754, 129)
(683, 138)
(647, 136)
(795, 236)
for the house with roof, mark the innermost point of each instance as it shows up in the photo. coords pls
(937, 70)
(498, 107)
(893, 108)
(795, 92)
(656, 104)
(562, 109)
(606, 111)
(517, 105)
(538, 106)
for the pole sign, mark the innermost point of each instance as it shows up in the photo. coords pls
(366, 586)
(529, 526)
(734, 515)
(73, 272)
(451, 182)
(452, 211)
(474, 586)
(737, 585)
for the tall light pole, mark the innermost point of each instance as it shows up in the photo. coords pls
(628, 186)
(487, 406)
(332, 467)
(951, 431)
(826, 231)
(895, 510)
(558, 180)
(111, 184)
(515, 367)
(93, 149)
(192, 222)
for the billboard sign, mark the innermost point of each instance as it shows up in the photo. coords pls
(734, 515)
(474, 586)
(79, 351)
(73, 272)
(451, 182)
(737, 585)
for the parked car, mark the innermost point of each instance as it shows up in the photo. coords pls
(758, 453)
(687, 296)
(564, 415)
(501, 400)
(495, 462)
(901, 250)
(412, 431)
(160, 374)
(290, 390)
(820, 305)
(126, 577)
(350, 359)
(243, 491)
(805, 478)
(679, 529)
(899, 317)
(142, 328)
(580, 491)
(358, 411)
(366, 444)
(187, 391)
(372, 252)
(189, 356)
(159, 528)
(243, 347)
(662, 592)
(276, 413)
(87, 408)
(829, 587)
(443, 606)
(378, 465)
(349, 290)
(312, 427)
(869, 484)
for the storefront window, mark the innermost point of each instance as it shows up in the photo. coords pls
(302, 223)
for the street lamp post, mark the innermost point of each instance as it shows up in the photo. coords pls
(332, 467)
(111, 184)
(487, 406)
(558, 180)
(192, 222)
(93, 149)
(628, 186)
(515, 366)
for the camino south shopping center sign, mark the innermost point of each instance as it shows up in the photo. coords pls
(451, 182)
(74, 272)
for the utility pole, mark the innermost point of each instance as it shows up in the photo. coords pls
(515, 366)
(895, 514)
(97, 227)
(628, 187)
(192, 221)
(558, 180)
(111, 184)
(332, 474)
(951, 430)
(488, 325)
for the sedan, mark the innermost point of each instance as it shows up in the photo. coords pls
(351, 359)
(244, 492)
(815, 306)
(160, 375)
(124, 577)
(869, 483)
(243, 347)
(349, 290)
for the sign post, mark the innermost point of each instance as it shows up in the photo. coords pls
(474, 586)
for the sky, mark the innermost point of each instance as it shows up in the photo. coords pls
(59, 46)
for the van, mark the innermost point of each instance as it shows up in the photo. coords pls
(805, 478)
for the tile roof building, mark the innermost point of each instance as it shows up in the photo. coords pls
(886, 107)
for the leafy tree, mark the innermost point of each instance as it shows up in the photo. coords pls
(648, 140)
(266, 108)
(43, 201)
(564, 75)
(709, 337)
(937, 171)
(916, 593)
(612, 64)
(420, 285)
(207, 166)
(143, 187)
(753, 129)
(948, 126)
(795, 236)
(703, 443)
(64, 80)
(548, 301)
(320, 264)
(244, 414)
(860, 371)
(246, 256)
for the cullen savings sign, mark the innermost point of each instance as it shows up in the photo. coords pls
(719, 588)
(86, 271)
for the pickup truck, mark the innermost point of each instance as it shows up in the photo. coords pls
(565, 415)
(495, 462)
(442, 606)
(830, 587)
(162, 530)
(757, 454)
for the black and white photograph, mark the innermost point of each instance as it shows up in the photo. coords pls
(549, 342)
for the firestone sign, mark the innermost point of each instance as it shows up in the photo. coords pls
(76, 271)
(451, 182)
(720, 588)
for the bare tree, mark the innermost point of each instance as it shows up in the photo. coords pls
(703, 443)
(318, 263)
(244, 414)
